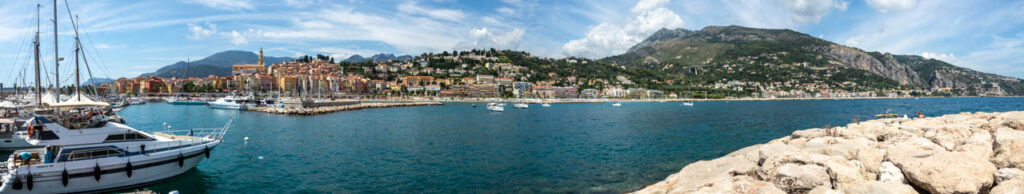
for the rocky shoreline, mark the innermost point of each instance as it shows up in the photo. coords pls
(330, 109)
(957, 153)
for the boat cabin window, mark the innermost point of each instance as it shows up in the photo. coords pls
(93, 153)
(127, 137)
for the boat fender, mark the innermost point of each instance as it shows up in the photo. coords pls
(29, 182)
(17, 183)
(143, 148)
(207, 151)
(96, 172)
(181, 160)
(31, 131)
(64, 177)
(128, 169)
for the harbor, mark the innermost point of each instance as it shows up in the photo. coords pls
(591, 147)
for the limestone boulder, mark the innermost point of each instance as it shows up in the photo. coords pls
(1009, 148)
(1015, 186)
(1006, 174)
(939, 171)
(706, 173)
(800, 178)
(876, 187)
(738, 184)
(889, 173)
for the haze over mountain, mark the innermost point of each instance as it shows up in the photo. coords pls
(378, 58)
(218, 64)
(780, 55)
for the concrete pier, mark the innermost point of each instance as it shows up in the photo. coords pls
(329, 109)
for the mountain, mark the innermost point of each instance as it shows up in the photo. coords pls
(378, 58)
(97, 81)
(218, 64)
(779, 55)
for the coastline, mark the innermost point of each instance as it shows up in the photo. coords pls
(955, 153)
(608, 100)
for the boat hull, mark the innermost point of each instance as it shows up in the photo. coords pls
(231, 106)
(113, 175)
(15, 144)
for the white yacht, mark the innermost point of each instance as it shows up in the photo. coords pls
(495, 107)
(228, 103)
(10, 137)
(616, 104)
(545, 105)
(687, 103)
(521, 105)
(110, 157)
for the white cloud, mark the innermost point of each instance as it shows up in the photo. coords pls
(197, 32)
(947, 57)
(230, 5)
(484, 38)
(506, 11)
(301, 3)
(644, 5)
(891, 5)
(804, 11)
(490, 20)
(344, 53)
(444, 14)
(611, 38)
(238, 39)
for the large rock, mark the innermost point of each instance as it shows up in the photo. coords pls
(1015, 186)
(797, 178)
(1009, 148)
(1006, 174)
(708, 173)
(939, 171)
(888, 173)
(875, 187)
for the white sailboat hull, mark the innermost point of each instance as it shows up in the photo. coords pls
(47, 178)
(232, 106)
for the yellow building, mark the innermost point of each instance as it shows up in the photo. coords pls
(287, 83)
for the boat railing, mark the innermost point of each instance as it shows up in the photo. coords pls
(197, 133)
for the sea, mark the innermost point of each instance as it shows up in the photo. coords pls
(458, 148)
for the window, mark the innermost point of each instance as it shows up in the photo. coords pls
(93, 153)
(126, 137)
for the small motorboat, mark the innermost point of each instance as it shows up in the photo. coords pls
(617, 104)
(688, 104)
(521, 105)
(545, 105)
(495, 107)
(887, 114)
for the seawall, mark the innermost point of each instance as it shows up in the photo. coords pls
(330, 109)
(957, 153)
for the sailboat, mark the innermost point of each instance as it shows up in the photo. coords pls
(82, 152)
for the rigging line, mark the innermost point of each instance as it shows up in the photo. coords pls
(21, 48)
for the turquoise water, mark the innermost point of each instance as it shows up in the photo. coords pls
(457, 148)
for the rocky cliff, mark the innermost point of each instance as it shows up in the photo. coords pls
(675, 51)
(960, 153)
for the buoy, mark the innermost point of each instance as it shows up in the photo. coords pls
(181, 160)
(246, 138)
(173, 192)
(29, 182)
(96, 172)
(165, 123)
(64, 177)
(207, 151)
(17, 183)
(128, 169)
(260, 157)
(168, 127)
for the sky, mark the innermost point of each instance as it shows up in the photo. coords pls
(128, 38)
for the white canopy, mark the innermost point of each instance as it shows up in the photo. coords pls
(8, 105)
(78, 100)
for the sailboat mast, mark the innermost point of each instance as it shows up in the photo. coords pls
(39, 87)
(56, 56)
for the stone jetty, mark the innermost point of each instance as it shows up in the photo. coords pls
(957, 153)
(330, 109)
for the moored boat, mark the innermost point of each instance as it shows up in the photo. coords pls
(228, 103)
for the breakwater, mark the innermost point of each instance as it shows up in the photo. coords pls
(957, 153)
(345, 107)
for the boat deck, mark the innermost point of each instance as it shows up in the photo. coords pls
(169, 136)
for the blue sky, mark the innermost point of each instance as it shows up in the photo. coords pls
(127, 38)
